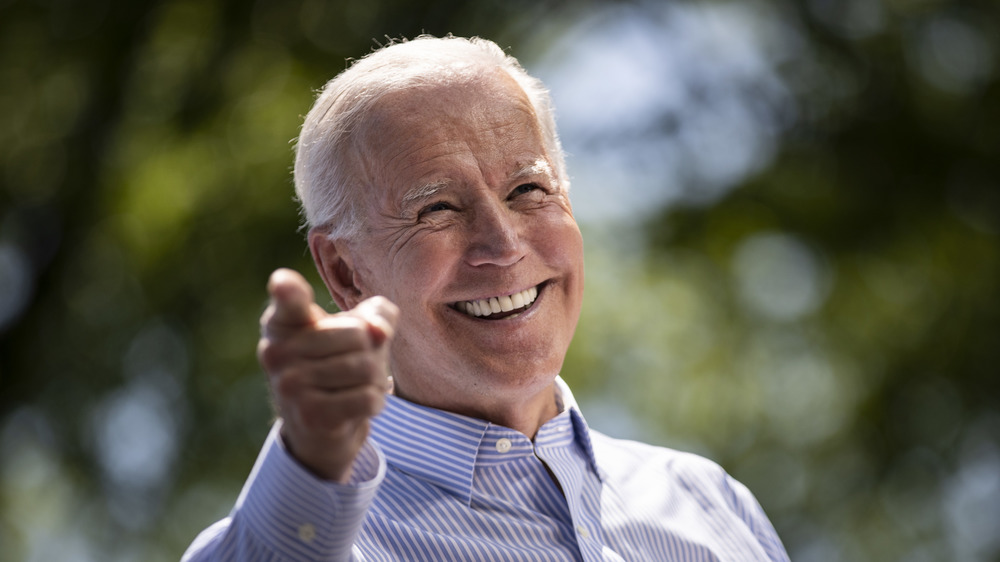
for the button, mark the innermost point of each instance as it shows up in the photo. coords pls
(307, 532)
(503, 445)
(584, 533)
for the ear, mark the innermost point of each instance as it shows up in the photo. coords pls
(334, 262)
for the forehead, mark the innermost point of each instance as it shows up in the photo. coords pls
(413, 135)
(468, 97)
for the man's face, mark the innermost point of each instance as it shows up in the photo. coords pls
(466, 215)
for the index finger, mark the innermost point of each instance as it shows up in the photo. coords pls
(292, 301)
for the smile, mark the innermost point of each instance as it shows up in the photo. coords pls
(500, 307)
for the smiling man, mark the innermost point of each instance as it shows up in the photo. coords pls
(427, 421)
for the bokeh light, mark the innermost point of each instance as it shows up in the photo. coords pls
(791, 213)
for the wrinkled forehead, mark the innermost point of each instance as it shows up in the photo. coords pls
(433, 107)
(427, 115)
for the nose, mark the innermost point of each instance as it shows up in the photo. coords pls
(493, 237)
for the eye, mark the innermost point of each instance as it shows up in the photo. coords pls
(524, 188)
(435, 207)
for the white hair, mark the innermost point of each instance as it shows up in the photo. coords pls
(326, 172)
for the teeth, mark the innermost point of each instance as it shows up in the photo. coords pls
(516, 300)
(493, 305)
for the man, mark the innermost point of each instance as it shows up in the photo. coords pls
(433, 183)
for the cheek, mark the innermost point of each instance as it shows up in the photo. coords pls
(563, 245)
(424, 265)
(567, 251)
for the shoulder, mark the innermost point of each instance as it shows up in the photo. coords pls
(612, 452)
(690, 494)
(632, 464)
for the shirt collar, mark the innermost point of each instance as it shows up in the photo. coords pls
(443, 448)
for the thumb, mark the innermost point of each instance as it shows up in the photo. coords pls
(381, 316)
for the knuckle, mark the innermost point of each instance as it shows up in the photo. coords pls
(341, 335)
(351, 368)
(288, 383)
(356, 336)
(372, 400)
(266, 316)
(269, 354)
(361, 365)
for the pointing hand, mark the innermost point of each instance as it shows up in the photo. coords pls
(328, 372)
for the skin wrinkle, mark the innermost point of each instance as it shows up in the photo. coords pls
(433, 225)
(381, 122)
(493, 239)
(376, 129)
(426, 192)
(398, 164)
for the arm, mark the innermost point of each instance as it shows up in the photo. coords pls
(316, 475)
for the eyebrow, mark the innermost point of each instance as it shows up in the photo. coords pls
(538, 167)
(425, 191)
(428, 190)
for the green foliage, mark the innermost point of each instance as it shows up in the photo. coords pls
(826, 329)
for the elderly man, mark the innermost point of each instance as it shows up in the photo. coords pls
(427, 421)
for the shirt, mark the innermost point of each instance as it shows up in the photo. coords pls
(433, 485)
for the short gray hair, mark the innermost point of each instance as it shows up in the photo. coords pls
(325, 172)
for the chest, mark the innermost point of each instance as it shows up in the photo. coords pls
(557, 510)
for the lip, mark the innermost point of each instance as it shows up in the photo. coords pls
(541, 287)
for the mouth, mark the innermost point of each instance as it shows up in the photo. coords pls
(499, 307)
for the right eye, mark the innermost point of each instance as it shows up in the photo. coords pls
(435, 207)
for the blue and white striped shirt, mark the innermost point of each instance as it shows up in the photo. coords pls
(432, 485)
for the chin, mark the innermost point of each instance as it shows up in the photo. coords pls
(516, 376)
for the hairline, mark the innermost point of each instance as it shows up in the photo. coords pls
(331, 203)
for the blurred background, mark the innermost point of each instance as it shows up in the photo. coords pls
(791, 212)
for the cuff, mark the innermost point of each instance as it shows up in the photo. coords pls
(300, 516)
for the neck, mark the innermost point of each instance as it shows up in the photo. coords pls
(523, 410)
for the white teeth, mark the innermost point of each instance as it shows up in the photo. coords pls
(516, 300)
(493, 305)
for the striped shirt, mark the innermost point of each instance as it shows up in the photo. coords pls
(432, 485)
